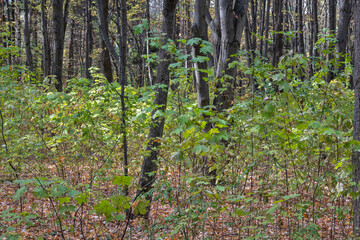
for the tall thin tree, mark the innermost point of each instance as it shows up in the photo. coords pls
(28, 54)
(150, 166)
(356, 133)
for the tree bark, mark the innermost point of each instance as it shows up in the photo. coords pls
(71, 68)
(343, 31)
(28, 54)
(89, 40)
(149, 166)
(123, 39)
(199, 29)
(46, 61)
(59, 35)
(266, 49)
(278, 44)
(356, 133)
(332, 28)
(18, 31)
(301, 46)
(227, 29)
(105, 65)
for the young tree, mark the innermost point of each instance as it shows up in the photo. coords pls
(149, 165)
(28, 54)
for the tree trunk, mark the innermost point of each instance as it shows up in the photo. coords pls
(343, 31)
(71, 69)
(17, 30)
(123, 40)
(199, 30)
(59, 34)
(46, 62)
(332, 28)
(262, 26)
(28, 54)
(267, 28)
(149, 166)
(105, 64)
(356, 154)
(278, 44)
(89, 40)
(227, 29)
(314, 33)
(301, 46)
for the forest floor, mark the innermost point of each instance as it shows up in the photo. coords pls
(85, 224)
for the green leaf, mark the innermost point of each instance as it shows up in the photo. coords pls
(200, 149)
(20, 192)
(40, 192)
(82, 198)
(240, 212)
(106, 208)
(194, 41)
(329, 131)
(73, 193)
(122, 180)
(291, 196)
(272, 209)
(141, 206)
(220, 188)
(64, 200)
(66, 209)
(120, 217)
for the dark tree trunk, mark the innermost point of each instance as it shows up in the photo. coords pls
(89, 40)
(199, 30)
(123, 39)
(262, 26)
(2, 19)
(254, 24)
(314, 33)
(71, 69)
(28, 54)
(356, 154)
(227, 29)
(59, 34)
(301, 46)
(105, 64)
(278, 44)
(343, 31)
(332, 28)
(148, 51)
(266, 48)
(46, 62)
(149, 166)
(17, 30)
(34, 22)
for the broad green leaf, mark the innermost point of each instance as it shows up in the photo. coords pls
(20, 192)
(122, 180)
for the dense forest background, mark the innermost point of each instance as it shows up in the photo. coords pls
(180, 119)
